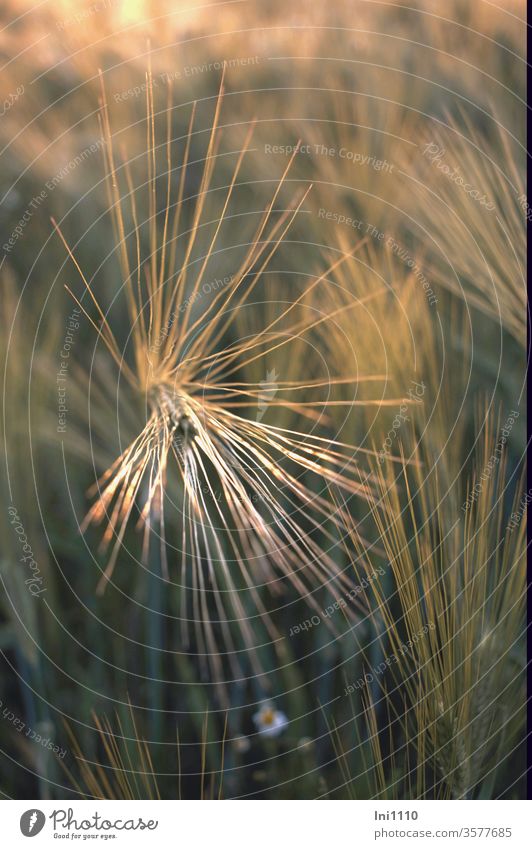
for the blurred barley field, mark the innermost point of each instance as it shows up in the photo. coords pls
(264, 351)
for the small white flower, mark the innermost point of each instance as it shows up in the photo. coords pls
(269, 721)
